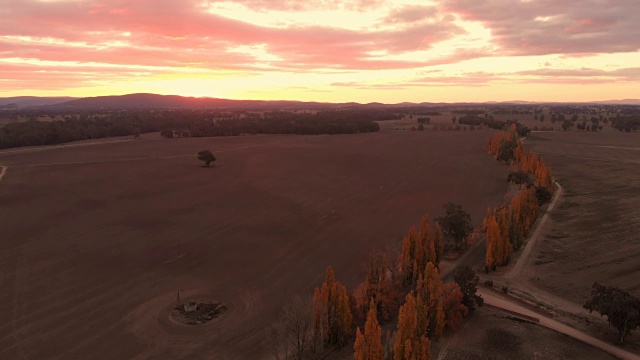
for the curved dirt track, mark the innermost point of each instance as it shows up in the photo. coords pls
(600, 166)
(498, 301)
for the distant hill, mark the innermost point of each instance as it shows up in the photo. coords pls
(31, 101)
(153, 101)
(619, 102)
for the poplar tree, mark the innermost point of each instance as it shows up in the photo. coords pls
(369, 345)
(332, 313)
(408, 344)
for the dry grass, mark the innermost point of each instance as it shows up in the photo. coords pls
(490, 334)
(593, 234)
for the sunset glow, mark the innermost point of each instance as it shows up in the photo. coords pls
(323, 50)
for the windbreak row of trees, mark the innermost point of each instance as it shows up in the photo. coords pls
(492, 123)
(196, 123)
(507, 226)
(405, 286)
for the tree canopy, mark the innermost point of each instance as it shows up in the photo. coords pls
(620, 307)
(467, 279)
(206, 156)
(456, 223)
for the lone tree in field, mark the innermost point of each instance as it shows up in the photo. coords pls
(167, 134)
(621, 308)
(207, 157)
(456, 224)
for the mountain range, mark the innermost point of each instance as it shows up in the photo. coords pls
(154, 101)
(32, 101)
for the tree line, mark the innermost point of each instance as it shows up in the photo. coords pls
(507, 226)
(492, 123)
(405, 286)
(626, 123)
(196, 123)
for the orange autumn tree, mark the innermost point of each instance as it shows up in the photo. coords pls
(498, 245)
(438, 242)
(543, 176)
(507, 227)
(408, 344)
(430, 245)
(408, 258)
(369, 345)
(494, 143)
(331, 311)
(379, 287)
(533, 164)
(526, 161)
(523, 211)
(429, 293)
(359, 346)
(420, 248)
(454, 310)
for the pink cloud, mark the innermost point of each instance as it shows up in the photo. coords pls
(584, 74)
(300, 5)
(164, 32)
(555, 26)
(19, 77)
(409, 14)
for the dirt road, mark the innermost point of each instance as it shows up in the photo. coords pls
(526, 252)
(495, 300)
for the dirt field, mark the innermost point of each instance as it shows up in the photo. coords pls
(97, 240)
(593, 235)
(490, 334)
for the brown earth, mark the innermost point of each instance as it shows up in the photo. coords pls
(492, 334)
(97, 240)
(592, 234)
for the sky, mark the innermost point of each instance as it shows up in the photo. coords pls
(323, 50)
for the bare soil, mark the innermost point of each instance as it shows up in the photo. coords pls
(96, 240)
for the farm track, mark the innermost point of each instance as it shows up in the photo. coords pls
(600, 180)
(589, 236)
(500, 302)
(515, 270)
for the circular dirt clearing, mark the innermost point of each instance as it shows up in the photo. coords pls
(197, 312)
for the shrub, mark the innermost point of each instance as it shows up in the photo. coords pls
(543, 194)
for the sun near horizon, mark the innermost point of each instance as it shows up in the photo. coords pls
(323, 50)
